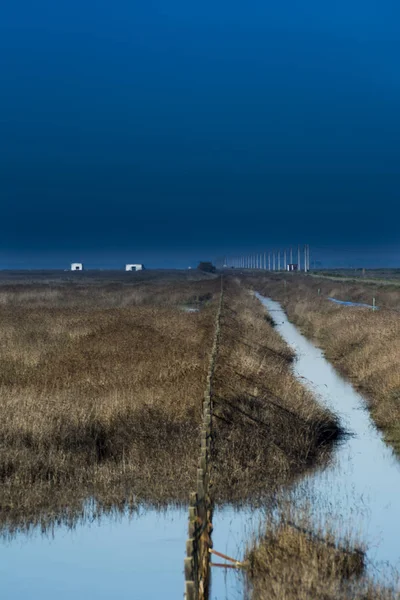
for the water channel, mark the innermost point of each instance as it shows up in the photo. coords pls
(140, 557)
(361, 490)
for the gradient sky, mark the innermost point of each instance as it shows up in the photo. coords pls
(167, 132)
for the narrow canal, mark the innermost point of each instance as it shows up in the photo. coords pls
(361, 489)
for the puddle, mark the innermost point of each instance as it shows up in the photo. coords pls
(348, 303)
(190, 309)
(361, 490)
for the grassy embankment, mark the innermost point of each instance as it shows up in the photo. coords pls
(376, 276)
(364, 345)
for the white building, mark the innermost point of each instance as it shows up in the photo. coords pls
(133, 267)
(76, 267)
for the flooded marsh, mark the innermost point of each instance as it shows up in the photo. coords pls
(102, 386)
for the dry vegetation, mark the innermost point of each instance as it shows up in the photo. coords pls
(100, 395)
(269, 428)
(293, 561)
(101, 385)
(101, 389)
(363, 344)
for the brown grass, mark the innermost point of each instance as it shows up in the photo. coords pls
(101, 389)
(100, 395)
(269, 428)
(363, 344)
(293, 561)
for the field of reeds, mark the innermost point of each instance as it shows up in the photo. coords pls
(269, 427)
(363, 344)
(101, 388)
(101, 385)
(99, 394)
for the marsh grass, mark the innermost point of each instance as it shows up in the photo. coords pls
(295, 560)
(269, 427)
(100, 395)
(101, 389)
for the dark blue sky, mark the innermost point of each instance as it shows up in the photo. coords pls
(165, 132)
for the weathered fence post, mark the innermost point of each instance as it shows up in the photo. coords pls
(197, 561)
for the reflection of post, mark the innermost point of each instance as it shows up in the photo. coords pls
(291, 256)
(273, 260)
(298, 258)
(279, 260)
(305, 258)
(269, 261)
(265, 261)
(284, 260)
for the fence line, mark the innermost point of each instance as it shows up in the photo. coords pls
(199, 543)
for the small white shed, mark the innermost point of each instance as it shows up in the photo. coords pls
(134, 267)
(76, 267)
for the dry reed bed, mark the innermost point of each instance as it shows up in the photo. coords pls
(99, 398)
(269, 428)
(294, 561)
(101, 395)
(101, 390)
(364, 345)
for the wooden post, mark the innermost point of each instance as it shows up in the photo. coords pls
(190, 591)
(197, 561)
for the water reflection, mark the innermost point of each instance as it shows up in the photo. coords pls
(361, 490)
(139, 557)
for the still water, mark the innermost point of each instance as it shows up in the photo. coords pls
(140, 557)
(361, 490)
(137, 557)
